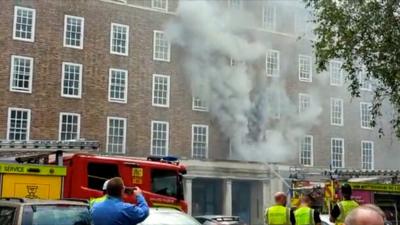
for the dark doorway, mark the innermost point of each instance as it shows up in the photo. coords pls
(241, 198)
(206, 197)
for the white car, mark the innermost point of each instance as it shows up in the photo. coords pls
(167, 216)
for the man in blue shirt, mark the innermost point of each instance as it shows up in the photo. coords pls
(113, 211)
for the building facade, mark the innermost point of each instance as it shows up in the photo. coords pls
(104, 70)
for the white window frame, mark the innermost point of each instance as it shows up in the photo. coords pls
(198, 108)
(340, 73)
(28, 124)
(167, 136)
(341, 113)
(369, 105)
(126, 42)
(372, 154)
(240, 4)
(125, 99)
(273, 7)
(311, 151)
(155, 32)
(309, 79)
(364, 80)
(343, 152)
(168, 91)
(277, 61)
(78, 133)
(63, 78)
(23, 90)
(207, 139)
(301, 96)
(108, 134)
(65, 32)
(158, 8)
(32, 39)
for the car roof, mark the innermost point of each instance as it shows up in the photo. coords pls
(213, 217)
(27, 201)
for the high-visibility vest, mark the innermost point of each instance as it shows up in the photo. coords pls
(97, 200)
(345, 207)
(304, 216)
(277, 215)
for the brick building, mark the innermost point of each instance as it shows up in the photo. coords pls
(103, 70)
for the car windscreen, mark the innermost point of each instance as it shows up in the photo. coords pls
(164, 182)
(56, 214)
(169, 218)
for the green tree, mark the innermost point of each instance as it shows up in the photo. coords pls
(362, 33)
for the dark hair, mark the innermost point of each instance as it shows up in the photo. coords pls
(115, 187)
(346, 190)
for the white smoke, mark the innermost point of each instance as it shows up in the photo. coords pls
(244, 102)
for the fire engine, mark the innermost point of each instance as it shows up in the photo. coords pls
(380, 187)
(53, 170)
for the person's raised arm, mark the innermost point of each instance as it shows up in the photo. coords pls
(139, 212)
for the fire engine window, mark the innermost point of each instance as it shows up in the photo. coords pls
(98, 173)
(7, 215)
(164, 182)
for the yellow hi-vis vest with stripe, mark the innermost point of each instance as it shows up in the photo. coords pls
(304, 216)
(345, 207)
(277, 215)
(97, 200)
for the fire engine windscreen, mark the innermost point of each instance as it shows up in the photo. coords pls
(167, 182)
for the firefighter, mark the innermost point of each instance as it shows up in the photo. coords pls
(102, 198)
(304, 214)
(278, 214)
(343, 208)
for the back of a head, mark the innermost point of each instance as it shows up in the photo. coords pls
(365, 215)
(346, 190)
(306, 200)
(115, 187)
(280, 198)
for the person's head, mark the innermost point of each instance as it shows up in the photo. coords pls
(280, 198)
(346, 191)
(365, 215)
(115, 187)
(105, 186)
(305, 200)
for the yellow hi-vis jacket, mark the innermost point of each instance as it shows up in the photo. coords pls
(345, 207)
(97, 200)
(277, 215)
(304, 216)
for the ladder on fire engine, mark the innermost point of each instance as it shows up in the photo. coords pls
(39, 151)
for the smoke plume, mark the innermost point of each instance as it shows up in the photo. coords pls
(245, 103)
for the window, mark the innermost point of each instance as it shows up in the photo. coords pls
(162, 47)
(21, 74)
(269, 17)
(160, 90)
(73, 31)
(365, 82)
(69, 126)
(336, 74)
(305, 68)
(304, 102)
(337, 111)
(164, 182)
(24, 24)
(199, 105)
(98, 173)
(199, 141)
(7, 215)
(71, 80)
(272, 63)
(366, 115)
(119, 41)
(159, 4)
(235, 4)
(116, 135)
(367, 155)
(118, 86)
(306, 151)
(159, 138)
(19, 121)
(337, 152)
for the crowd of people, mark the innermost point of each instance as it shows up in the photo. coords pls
(345, 212)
